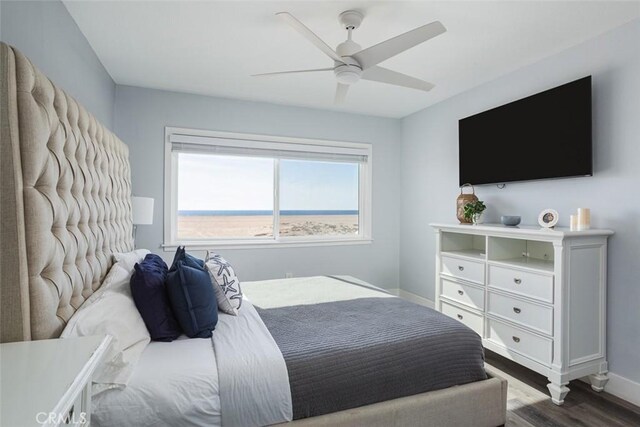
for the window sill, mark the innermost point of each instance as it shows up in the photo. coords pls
(270, 244)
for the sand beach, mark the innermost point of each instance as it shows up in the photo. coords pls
(207, 226)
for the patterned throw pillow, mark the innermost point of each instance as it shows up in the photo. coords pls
(225, 283)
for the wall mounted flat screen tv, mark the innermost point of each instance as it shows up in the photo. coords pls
(547, 135)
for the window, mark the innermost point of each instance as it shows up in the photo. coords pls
(245, 190)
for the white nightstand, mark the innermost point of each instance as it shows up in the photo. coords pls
(48, 382)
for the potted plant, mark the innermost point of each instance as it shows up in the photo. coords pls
(473, 211)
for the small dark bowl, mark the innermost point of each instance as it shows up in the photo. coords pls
(510, 220)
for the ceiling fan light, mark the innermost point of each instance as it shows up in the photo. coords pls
(347, 74)
(347, 77)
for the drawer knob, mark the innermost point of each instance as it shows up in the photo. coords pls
(461, 268)
(460, 316)
(516, 339)
(460, 293)
(516, 310)
(517, 281)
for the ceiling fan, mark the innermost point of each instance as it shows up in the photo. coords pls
(352, 63)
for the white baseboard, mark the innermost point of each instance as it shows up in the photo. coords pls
(621, 387)
(412, 297)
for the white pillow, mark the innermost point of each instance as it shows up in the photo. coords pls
(129, 259)
(111, 310)
(225, 283)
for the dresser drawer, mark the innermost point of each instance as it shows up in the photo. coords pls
(530, 345)
(539, 286)
(472, 271)
(464, 294)
(472, 320)
(525, 313)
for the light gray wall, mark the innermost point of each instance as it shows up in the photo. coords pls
(46, 33)
(142, 114)
(430, 175)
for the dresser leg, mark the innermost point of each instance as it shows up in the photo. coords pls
(558, 392)
(598, 381)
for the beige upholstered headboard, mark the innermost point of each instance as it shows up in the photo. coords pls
(65, 202)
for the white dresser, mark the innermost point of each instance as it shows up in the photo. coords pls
(535, 296)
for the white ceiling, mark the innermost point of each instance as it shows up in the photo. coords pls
(213, 47)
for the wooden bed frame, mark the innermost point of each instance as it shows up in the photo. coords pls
(66, 207)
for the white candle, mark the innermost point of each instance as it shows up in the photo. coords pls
(573, 221)
(584, 218)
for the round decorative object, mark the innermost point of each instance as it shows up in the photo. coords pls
(548, 218)
(462, 200)
(510, 220)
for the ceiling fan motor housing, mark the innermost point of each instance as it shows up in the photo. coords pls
(348, 48)
(349, 72)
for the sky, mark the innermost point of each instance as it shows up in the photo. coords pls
(213, 182)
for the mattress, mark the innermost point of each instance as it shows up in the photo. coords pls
(193, 382)
(346, 354)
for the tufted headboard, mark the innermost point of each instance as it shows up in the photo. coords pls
(65, 202)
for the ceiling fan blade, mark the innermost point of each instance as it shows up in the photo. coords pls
(341, 93)
(310, 35)
(383, 75)
(290, 72)
(374, 55)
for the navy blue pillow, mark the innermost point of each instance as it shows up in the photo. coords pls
(151, 298)
(192, 296)
(188, 259)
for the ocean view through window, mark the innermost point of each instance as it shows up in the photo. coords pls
(318, 198)
(247, 191)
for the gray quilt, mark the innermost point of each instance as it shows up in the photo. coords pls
(346, 354)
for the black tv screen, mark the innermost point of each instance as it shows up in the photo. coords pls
(547, 135)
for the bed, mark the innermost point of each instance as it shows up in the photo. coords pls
(66, 208)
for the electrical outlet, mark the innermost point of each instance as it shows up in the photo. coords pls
(288, 275)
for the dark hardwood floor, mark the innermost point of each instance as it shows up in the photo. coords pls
(528, 402)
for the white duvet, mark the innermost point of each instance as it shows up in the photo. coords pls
(177, 383)
(174, 384)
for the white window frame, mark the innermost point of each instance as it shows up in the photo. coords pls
(252, 141)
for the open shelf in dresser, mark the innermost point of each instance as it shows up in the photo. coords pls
(464, 245)
(521, 253)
